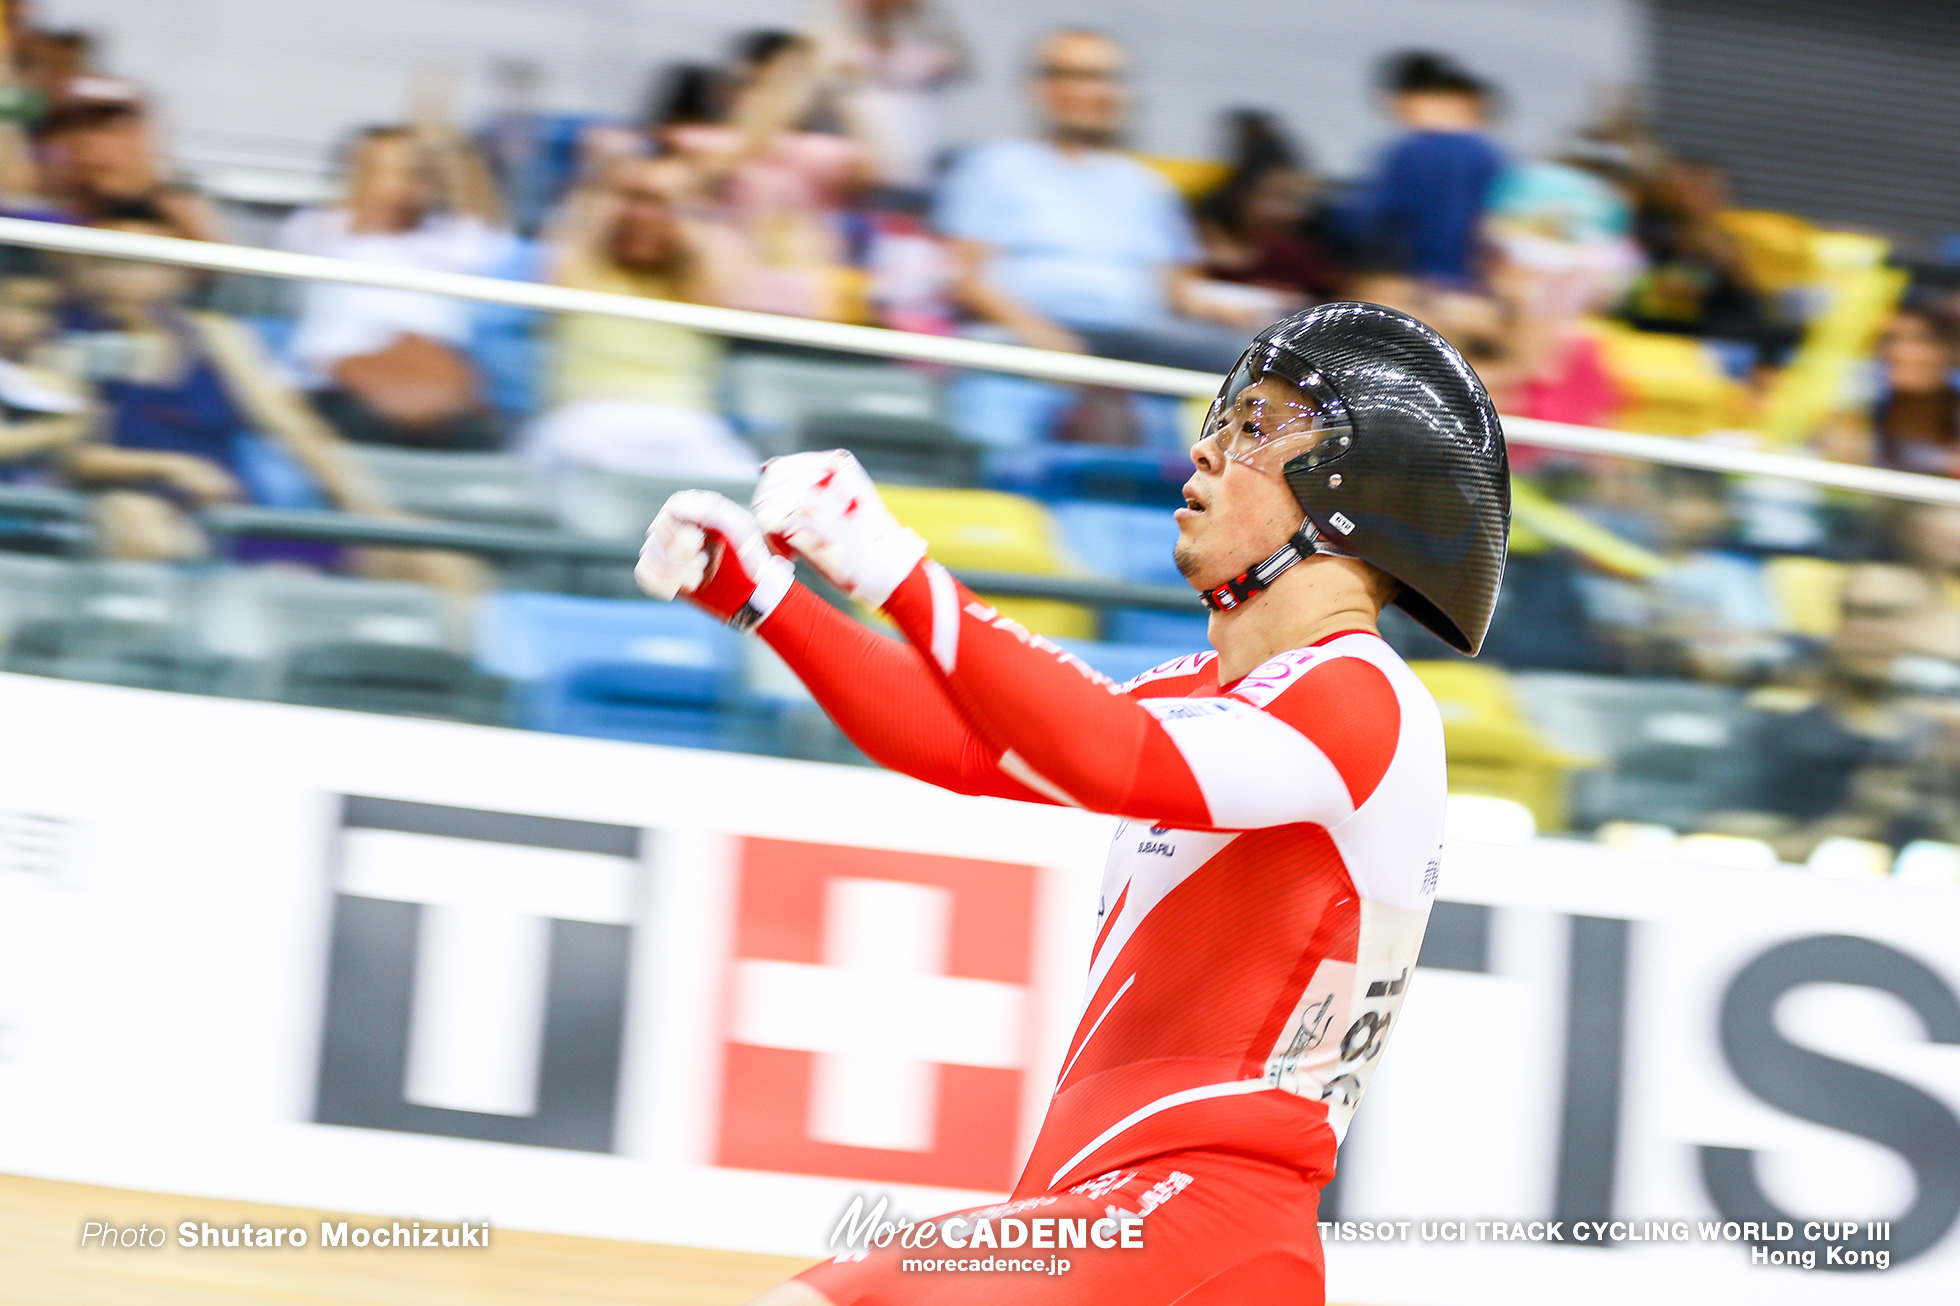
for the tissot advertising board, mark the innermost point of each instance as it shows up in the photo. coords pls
(458, 974)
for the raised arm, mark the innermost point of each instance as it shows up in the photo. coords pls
(878, 690)
(881, 694)
(1241, 761)
(1245, 760)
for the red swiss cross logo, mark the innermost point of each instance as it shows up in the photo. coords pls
(880, 1015)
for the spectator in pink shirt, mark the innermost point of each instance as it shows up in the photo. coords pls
(784, 188)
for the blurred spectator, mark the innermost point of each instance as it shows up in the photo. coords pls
(388, 366)
(1257, 224)
(1854, 756)
(1562, 250)
(783, 186)
(98, 154)
(44, 60)
(910, 274)
(1711, 616)
(638, 396)
(1915, 420)
(22, 101)
(1481, 325)
(1069, 245)
(534, 156)
(891, 58)
(1419, 215)
(1542, 621)
(42, 408)
(1697, 282)
(193, 411)
(1930, 540)
(686, 95)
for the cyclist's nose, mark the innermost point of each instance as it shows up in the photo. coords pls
(1207, 455)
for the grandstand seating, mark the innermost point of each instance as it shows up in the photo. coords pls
(1005, 413)
(257, 633)
(618, 505)
(1121, 540)
(1673, 384)
(985, 530)
(263, 613)
(1189, 632)
(34, 588)
(114, 622)
(1134, 543)
(1804, 593)
(140, 654)
(1494, 748)
(896, 449)
(619, 668)
(402, 679)
(1149, 477)
(770, 395)
(481, 487)
(1657, 742)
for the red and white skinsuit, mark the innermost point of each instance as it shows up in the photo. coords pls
(1261, 912)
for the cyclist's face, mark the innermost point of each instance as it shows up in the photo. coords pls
(1265, 423)
(1235, 513)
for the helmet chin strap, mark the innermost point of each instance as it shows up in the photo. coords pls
(1299, 546)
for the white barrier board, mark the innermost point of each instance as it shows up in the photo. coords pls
(445, 972)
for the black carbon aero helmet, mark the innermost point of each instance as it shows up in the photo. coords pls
(1405, 467)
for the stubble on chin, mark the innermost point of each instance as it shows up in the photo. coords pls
(1185, 555)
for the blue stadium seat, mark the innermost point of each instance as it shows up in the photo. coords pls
(1131, 542)
(1008, 413)
(1121, 540)
(1005, 412)
(504, 340)
(275, 332)
(657, 673)
(1188, 632)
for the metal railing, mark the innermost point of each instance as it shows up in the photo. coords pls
(954, 351)
(874, 341)
(562, 546)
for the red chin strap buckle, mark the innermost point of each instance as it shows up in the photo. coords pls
(1302, 544)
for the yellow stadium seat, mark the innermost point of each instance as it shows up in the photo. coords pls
(1804, 593)
(1494, 749)
(1193, 178)
(1673, 386)
(1860, 292)
(985, 530)
(1778, 249)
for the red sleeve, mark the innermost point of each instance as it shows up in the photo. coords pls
(882, 694)
(1069, 730)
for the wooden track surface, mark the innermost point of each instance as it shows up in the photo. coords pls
(43, 1264)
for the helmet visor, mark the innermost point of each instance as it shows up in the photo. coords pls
(1266, 419)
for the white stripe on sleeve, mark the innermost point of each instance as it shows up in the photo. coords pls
(945, 616)
(1253, 769)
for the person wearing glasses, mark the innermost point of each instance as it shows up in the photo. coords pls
(1064, 242)
(1281, 801)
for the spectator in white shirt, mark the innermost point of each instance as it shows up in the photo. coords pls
(389, 366)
